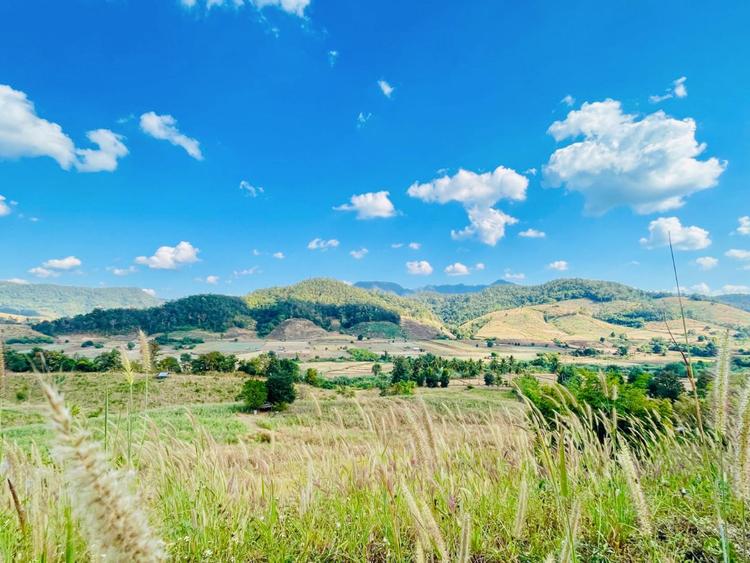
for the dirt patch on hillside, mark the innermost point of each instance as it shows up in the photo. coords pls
(419, 331)
(297, 329)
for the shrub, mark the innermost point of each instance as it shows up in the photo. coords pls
(399, 388)
(254, 394)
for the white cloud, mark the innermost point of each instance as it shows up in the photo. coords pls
(371, 205)
(530, 171)
(707, 262)
(683, 238)
(362, 119)
(700, 288)
(419, 268)
(294, 7)
(170, 257)
(704, 289)
(397, 245)
(359, 254)
(333, 56)
(149, 291)
(4, 207)
(213, 280)
(250, 190)
(256, 252)
(67, 263)
(247, 272)
(559, 265)
(279, 255)
(164, 127)
(678, 90)
(568, 100)
(532, 233)
(479, 266)
(321, 244)
(486, 223)
(386, 88)
(741, 255)
(477, 193)
(103, 159)
(649, 164)
(457, 269)
(43, 272)
(120, 272)
(735, 289)
(17, 281)
(744, 228)
(513, 277)
(415, 245)
(24, 134)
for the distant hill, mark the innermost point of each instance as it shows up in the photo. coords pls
(333, 305)
(208, 312)
(739, 300)
(52, 301)
(456, 309)
(391, 287)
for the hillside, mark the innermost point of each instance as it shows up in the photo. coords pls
(739, 300)
(333, 305)
(392, 287)
(53, 301)
(216, 313)
(457, 309)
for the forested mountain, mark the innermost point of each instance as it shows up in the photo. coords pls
(392, 287)
(209, 312)
(332, 304)
(739, 300)
(458, 308)
(52, 301)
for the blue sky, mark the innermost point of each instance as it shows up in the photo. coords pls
(230, 133)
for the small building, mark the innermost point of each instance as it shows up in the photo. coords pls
(162, 375)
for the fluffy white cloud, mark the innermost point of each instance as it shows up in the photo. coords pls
(559, 265)
(372, 205)
(532, 233)
(457, 269)
(294, 7)
(213, 280)
(649, 164)
(479, 266)
(704, 289)
(170, 257)
(683, 238)
(164, 127)
(735, 289)
(67, 263)
(744, 228)
(707, 262)
(120, 272)
(359, 254)
(247, 272)
(250, 190)
(103, 159)
(24, 134)
(486, 223)
(149, 291)
(415, 245)
(4, 207)
(386, 88)
(419, 268)
(477, 193)
(43, 272)
(279, 255)
(17, 281)
(741, 255)
(321, 244)
(333, 56)
(678, 90)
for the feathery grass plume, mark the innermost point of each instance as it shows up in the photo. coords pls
(113, 522)
(568, 552)
(127, 368)
(464, 555)
(145, 349)
(2, 378)
(427, 528)
(721, 387)
(522, 505)
(20, 514)
(625, 458)
(741, 445)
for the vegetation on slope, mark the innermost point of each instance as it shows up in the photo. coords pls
(332, 304)
(208, 312)
(458, 308)
(52, 301)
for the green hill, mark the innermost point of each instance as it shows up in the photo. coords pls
(52, 301)
(332, 304)
(456, 309)
(208, 312)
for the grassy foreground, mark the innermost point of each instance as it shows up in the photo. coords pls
(449, 475)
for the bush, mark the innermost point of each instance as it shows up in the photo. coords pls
(312, 377)
(665, 384)
(254, 394)
(399, 388)
(280, 383)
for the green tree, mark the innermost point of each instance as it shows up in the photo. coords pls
(280, 383)
(665, 384)
(254, 394)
